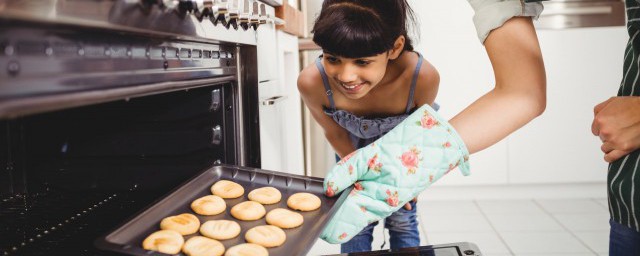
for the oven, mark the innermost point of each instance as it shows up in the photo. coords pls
(107, 105)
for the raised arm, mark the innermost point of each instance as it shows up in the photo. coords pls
(520, 90)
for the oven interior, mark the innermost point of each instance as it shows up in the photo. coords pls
(72, 175)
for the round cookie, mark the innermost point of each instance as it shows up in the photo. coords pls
(227, 189)
(284, 218)
(164, 241)
(266, 235)
(265, 195)
(184, 224)
(303, 202)
(248, 210)
(220, 229)
(209, 205)
(246, 250)
(202, 246)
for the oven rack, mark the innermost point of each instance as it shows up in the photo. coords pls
(63, 222)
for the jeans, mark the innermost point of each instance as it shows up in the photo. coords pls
(623, 241)
(403, 232)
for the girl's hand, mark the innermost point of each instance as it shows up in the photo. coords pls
(617, 122)
(407, 206)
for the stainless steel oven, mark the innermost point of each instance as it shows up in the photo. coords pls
(107, 105)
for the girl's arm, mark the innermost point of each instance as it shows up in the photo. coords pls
(520, 91)
(309, 81)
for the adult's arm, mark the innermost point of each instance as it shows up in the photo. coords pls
(519, 94)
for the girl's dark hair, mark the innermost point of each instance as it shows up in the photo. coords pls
(361, 28)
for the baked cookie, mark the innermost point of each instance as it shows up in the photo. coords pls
(227, 189)
(185, 224)
(247, 250)
(164, 241)
(220, 229)
(209, 205)
(265, 195)
(266, 235)
(284, 218)
(303, 202)
(202, 246)
(248, 210)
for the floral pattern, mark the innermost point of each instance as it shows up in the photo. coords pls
(363, 209)
(392, 198)
(346, 158)
(427, 121)
(411, 159)
(350, 169)
(446, 144)
(330, 190)
(374, 165)
(342, 236)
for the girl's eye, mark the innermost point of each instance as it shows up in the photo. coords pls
(331, 59)
(362, 62)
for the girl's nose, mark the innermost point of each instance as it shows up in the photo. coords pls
(347, 75)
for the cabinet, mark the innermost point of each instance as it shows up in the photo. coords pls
(584, 67)
(280, 104)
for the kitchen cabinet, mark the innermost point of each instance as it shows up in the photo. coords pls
(582, 71)
(584, 67)
(280, 104)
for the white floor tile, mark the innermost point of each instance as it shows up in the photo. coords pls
(556, 254)
(597, 241)
(488, 242)
(584, 222)
(539, 243)
(454, 223)
(509, 206)
(459, 207)
(572, 206)
(523, 222)
(323, 248)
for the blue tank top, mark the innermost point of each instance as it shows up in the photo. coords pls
(362, 130)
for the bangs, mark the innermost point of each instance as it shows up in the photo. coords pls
(339, 30)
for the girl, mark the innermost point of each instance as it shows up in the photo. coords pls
(368, 80)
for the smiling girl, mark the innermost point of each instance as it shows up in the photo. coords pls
(369, 79)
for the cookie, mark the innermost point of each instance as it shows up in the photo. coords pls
(248, 210)
(227, 189)
(209, 205)
(247, 250)
(164, 241)
(220, 229)
(266, 235)
(265, 195)
(284, 218)
(303, 202)
(202, 246)
(185, 224)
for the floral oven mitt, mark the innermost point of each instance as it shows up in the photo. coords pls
(392, 171)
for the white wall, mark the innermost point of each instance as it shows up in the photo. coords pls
(584, 67)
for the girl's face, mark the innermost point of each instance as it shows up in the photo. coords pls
(354, 78)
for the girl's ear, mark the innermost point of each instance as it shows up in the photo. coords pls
(398, 45)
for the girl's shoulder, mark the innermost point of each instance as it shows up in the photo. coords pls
(311, 87)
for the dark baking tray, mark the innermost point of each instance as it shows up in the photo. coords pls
(128, 237)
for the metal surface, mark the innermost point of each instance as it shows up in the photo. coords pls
(185, 19)
(563, 14)
(128, 237)
(452, 249)
(273, 100)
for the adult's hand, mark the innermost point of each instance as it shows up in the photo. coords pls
(617, 122)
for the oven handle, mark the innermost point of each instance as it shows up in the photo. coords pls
(273, 100)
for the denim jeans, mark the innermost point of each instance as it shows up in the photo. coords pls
(403, 232)
(623, 241)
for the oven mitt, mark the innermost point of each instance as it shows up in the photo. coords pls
(392, 171)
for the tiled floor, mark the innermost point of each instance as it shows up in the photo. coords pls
(541, 227)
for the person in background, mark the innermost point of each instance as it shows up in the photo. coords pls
(369, 79)
(617, 122)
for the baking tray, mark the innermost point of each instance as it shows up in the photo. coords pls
(128, 237)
